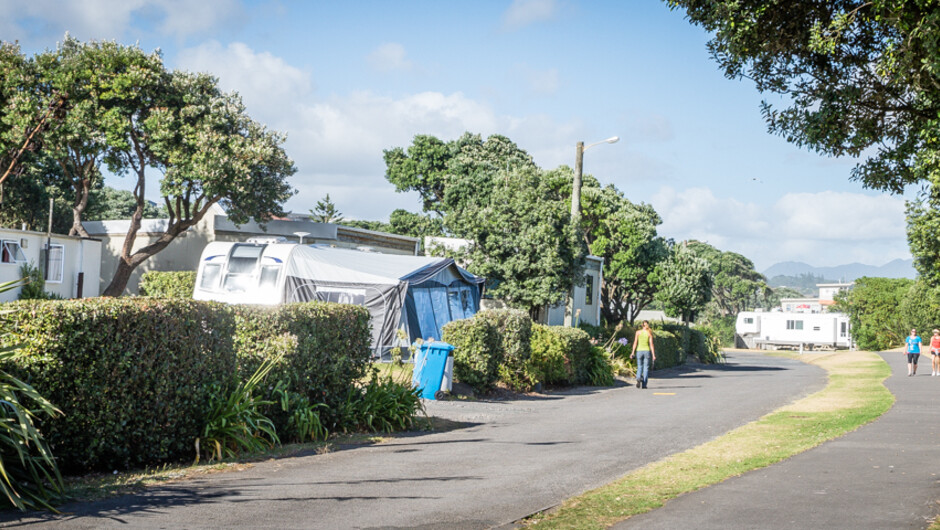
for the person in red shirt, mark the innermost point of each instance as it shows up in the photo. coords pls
(935, 351)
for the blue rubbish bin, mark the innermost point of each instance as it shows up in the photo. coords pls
(430, 362)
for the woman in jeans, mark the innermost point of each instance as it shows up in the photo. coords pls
(643, 348)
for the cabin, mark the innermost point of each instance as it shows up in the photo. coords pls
(73, 262)
(798, 323)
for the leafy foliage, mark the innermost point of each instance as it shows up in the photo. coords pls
(624, 234)
(132, 376)
(35, 287)
(236, 423)
(736, 286)
(382, 405)
(477, 352)
(107, 204)
(873, 308)
(685, 283)
(331, 352)
(29, 474)
(168, 284)
(514, 329)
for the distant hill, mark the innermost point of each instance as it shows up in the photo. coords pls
(899, 268)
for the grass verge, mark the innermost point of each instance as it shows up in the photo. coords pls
(853, 397)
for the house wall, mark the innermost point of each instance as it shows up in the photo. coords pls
(81, 258)
(586, 309)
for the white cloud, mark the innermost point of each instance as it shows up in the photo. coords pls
(42, 20)
(822, 229)
(524, 12)
(390, 57)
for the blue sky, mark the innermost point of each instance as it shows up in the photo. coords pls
(346, 80)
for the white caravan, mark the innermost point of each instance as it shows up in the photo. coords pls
(778, 329)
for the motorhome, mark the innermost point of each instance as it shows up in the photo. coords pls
(771, 330)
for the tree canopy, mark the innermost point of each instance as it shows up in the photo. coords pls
(685, 283)
(326, 211)
(127, 112)
(736, 286)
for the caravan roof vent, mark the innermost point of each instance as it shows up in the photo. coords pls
(365, 249)
(266, 240)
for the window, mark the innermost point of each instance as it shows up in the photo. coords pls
(269, 276)
(210, 276)
(589, 290)
(842, 329)
(55, 272)
(11, 252)
(794, 324)
(748, 320)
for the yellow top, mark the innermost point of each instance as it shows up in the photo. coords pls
(643, 340)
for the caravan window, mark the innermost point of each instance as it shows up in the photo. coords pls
(794, 324)
(210, 276)
(269, 276)
(56, 263)
(242, 263)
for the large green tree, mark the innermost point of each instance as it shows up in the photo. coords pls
(326, 211)
(624, 234)
(862, 79)
(873, 306)
(736, 285)
(431, 166)
(522, 239)
(685, 283)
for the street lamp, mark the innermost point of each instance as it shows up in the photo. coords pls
(578, 162)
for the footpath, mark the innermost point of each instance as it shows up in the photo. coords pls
(512, 459)
(885, 475)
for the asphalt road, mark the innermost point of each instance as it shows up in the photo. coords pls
(885, 475)
(516, 458)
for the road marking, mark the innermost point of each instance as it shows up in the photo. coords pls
(664, 393)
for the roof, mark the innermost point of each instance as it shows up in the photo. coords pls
(392, 267)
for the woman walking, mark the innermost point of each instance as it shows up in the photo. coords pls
(935, 351)
(643, 348)
(913, 352)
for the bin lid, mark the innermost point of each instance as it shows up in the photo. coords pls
(438, 346)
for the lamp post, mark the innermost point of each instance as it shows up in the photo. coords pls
(578, 163)
(576, 212)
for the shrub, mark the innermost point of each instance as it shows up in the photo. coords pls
(168, 284)
(30, 478)
(332, 351)
(477, 352)
(133, 376)
(514, 328)
(382, 405)
(35, 288)
(235, 423)
(668, 351)
(597, 367)
(549, 360)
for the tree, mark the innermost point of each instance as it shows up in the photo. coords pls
(522, 239)
(326, 211)
(624, 234)
(863, 79)
(685, 283)
(107, 204)
(873, 308)
(212, 152)
(430, 166)
(736, 286)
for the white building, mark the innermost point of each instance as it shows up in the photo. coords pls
(798, 322)
(74, 262)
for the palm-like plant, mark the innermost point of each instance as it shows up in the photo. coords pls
(29, 475)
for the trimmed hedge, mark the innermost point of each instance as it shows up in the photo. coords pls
(132, 375)
(168, 284)
(477, 351)
(514, 328)
(331, 352)
(549, 362)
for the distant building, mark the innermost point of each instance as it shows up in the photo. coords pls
(183, 253)
(74, 262)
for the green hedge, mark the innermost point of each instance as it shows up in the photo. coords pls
(168, 284)
(514, 329)
(132, 375)
(549, 361)
(477, 351)
(332, 349)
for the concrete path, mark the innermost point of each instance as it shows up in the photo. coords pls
(885, 475)
(516, 458)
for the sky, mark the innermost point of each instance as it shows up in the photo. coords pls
(347, 80)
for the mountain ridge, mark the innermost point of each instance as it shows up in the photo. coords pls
(898, 268)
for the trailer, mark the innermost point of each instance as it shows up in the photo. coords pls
(773, 330)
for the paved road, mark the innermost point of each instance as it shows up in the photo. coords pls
(885, 475)
(516, 458)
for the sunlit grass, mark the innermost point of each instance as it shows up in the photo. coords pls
(853, 397)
